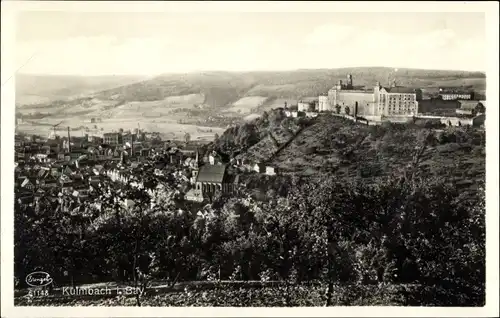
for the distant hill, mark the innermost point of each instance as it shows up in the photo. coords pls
(222, 88)
(35, 89)
(212, 99)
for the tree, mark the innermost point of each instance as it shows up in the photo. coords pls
(337, 108)
(187, 138)
(480, 109)
(347, 110)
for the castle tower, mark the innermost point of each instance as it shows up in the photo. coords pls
(339, 85)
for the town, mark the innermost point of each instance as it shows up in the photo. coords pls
(132, 188)
(79, 166)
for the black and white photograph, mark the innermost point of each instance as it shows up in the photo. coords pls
(220, 156)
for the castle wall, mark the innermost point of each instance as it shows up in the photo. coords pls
(323, 104)
(364, 101)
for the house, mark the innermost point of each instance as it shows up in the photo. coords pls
(28, 184)
(66, 184)
(67, 171)
(159, 172)
(214, 158)
(456, 93)
(129, 138)
(194, 195)
(306, 106)
(80, 190)
(92, 152)
(113, 138)
(98, 169)
(39, 193)
(45, 150)
(187, 162)
(76, 153)
(259, 167)
(128, 203)
(470, 108)
(94, 180)
(240, 160)
(25, 198)
(311, 114)
(270, 171)
(42, 157)
(47, 182)
(146, 152)
(189, 150)
(54, 171)
(476, 121)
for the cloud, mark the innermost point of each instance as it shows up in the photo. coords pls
(81, 55)
(327, 46)
(330, 34)
(440, 49)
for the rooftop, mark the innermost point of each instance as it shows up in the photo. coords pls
(211, 173)
(455, 90)
(400, 89)
(468, 105)
(367, 90)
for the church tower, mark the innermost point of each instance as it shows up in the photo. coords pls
(194, 173)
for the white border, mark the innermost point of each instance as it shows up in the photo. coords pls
(7, 163)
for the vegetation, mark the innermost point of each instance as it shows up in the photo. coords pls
(398, 219)
(269, 131)
(398, 233)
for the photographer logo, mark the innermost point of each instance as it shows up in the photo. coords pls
(38, 279)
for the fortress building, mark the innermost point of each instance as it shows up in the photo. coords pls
(379, 101)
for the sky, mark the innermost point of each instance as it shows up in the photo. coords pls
(86, 43)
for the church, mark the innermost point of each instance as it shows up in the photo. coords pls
(210, 178)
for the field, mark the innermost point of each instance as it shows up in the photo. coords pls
(35, 89)
(246, 104)
(112, 115)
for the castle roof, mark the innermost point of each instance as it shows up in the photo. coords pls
(400, 89)
(455, 90)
